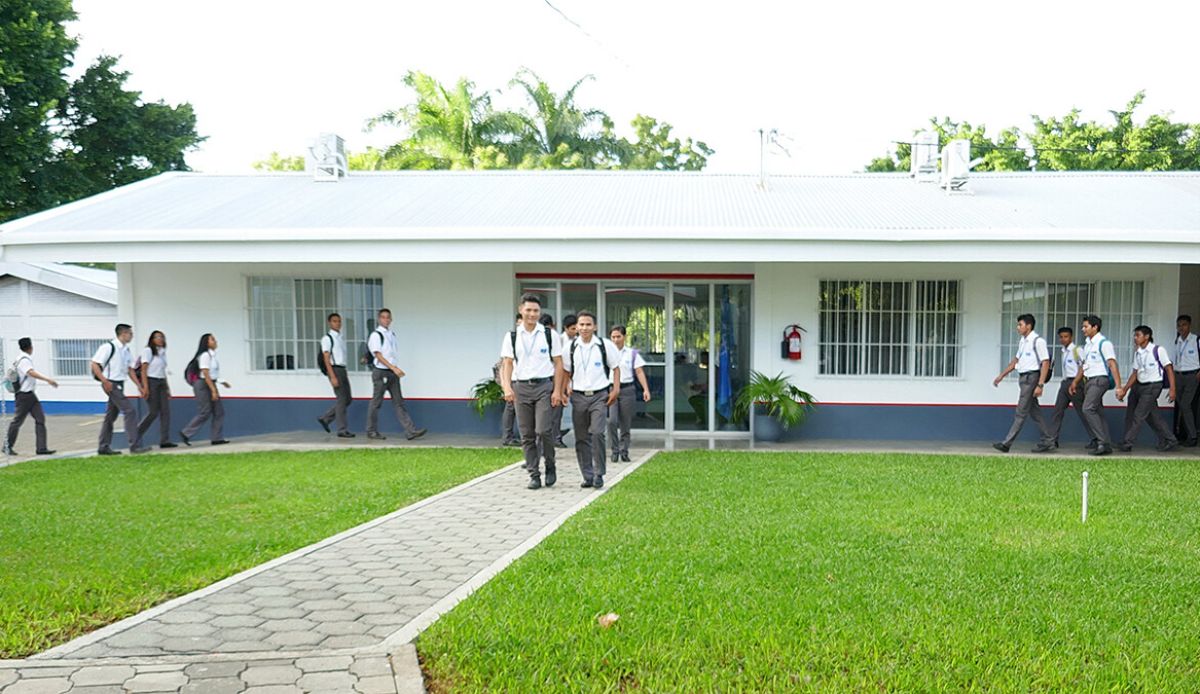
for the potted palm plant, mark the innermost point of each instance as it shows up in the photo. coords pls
(780, 404)
(485, 394)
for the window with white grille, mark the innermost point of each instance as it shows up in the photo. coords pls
(74, 357)
(871, 327)
(287, 319)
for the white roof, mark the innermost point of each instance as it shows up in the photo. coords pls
(93, 283)
(427, 216)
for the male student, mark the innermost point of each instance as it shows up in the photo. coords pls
(1071, 359)
(593, 365)
(1187, 378)
(1101, 373)
(385, 377)
(333, 356)
(620, 414)
(1032, 364)
(27, 403)
(111, 363)
(531, 377)
(570, 331)
(1151, 366)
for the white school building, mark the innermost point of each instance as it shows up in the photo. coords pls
(907, 295)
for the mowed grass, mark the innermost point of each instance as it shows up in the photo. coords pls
(87, 542)
(834, 572)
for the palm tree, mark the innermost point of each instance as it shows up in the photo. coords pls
(556, 132)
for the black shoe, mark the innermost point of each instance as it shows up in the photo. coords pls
(535, 483)
(1124, 447)
(624, 457)
(416, 434)
(1190, 443)
(324, 425)
(345, 434)
(46, 451)
(560, 444)
(7, 450)
(551, 476)
(1001, 446)
(139, 449)
(183, 437)
(616, 457)
(219, 442)
(586, 484)
(107, 451)
(168, 444)
(1044, 447)
(1167, 447)
(376, 436)
(512, 444)
(1092, 445)
(564, 433)
(1102, 450)
(597, 481)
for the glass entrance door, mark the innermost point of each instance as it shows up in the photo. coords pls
(642, 310)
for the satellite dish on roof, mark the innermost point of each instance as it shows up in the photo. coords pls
(327, 158)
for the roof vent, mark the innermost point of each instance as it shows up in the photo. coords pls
(956, 165)
(923, 160)
(327, 158)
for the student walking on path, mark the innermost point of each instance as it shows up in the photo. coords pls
(620, 414)
(531, 377)
(111, 365)
(1099, 374)
(27, 403)
(385, 377)
(332, 363)
(1071, 358)
(204, 373)
(1152, 371)
(593, 364)
(156, 389)
(1032, 364)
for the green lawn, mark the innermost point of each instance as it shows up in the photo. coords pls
(827, 572)
(86, 542)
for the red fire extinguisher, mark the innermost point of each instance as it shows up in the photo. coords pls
(790, 347)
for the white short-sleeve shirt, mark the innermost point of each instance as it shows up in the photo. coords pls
(1069, 362)
(631, 359)
(1031, 352)
(1096, 353)
(209, 361)
(335, 344)
(156, 364)
(1187, 353)
(534, 358)
(24, 366)
(118, 365)
(384, 341)
(1147, 367)
(585, 362)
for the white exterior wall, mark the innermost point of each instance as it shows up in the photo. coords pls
(28, 309)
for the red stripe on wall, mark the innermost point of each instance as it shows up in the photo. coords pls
(627, 276)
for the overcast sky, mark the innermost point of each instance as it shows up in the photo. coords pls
(842, 79)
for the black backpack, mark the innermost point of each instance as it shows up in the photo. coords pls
(513, 337)
(112, 352)
(603, 357)
(321, 354)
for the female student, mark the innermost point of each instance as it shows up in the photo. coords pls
(155, 389)
(204, 373)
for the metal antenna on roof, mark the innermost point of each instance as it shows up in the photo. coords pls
(769, 139)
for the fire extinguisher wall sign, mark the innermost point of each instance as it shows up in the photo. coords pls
(790, 347)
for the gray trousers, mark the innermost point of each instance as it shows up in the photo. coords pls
(1143, 405)
(119, 404)
(556, 430)
(159, 402)
(206, 407)
(384, 381)
(1093, 409)
(1186, 388)
(1028, 407)
(534, 419)
(508, 423)
(28, 405)
(620, 419)
(590, 418)
(1061, 403)
(342, 393)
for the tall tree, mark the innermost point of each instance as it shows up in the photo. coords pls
(559, 133)
(655, 149)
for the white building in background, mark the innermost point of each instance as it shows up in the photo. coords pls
(908, 294)
(68, 311)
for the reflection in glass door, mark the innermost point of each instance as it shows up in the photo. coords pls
(642, 310)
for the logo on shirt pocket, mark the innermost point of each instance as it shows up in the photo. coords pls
(544, 350)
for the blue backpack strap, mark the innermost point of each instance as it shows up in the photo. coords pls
(1107, 369)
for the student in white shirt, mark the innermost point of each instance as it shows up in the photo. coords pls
(385, 377)
(570, 330)
(531, 376)
(593, 363)
(27, 403)
(152, 372)
(620, 415)
(1071, 357)
(111, 364)
(1187, 377)
(333, 357)
(1032, 364)
(1151, 367)
(1101, 372)
(204, 373)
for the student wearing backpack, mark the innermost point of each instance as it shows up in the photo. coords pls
(592, 365)
(1187, 377)
(509, 434)
(531, 377)
(203, 373)
(385, 377)
(27, 403)
(620, 414)
(1071, 358)
(1099, 374)
(152, 375)
(331, 360)
(1032, 364)
(1151, 371)
(111, 364)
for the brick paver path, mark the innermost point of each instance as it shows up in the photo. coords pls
(318, 620)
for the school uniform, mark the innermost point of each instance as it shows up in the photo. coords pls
(334, 345)
(384, 381)
(115, 359)
(590, 365)
(533, 385)
(27, 405)
(620, 414)
(1187, 366)
(561, 411)
(206, 406)
(509, 435)
(157, 395)
(1031, 352)
(1150, 364)
(1071, 358)
(1096, 353)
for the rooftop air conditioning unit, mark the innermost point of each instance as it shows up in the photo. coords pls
(923, 160)
(956, 165)
(327, 158)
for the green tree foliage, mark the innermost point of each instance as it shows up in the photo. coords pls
(64, 140)
(1071, 144)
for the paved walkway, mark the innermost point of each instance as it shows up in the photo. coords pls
(332, 617)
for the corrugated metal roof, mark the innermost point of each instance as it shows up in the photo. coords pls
(570, 201)
(93, 283)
